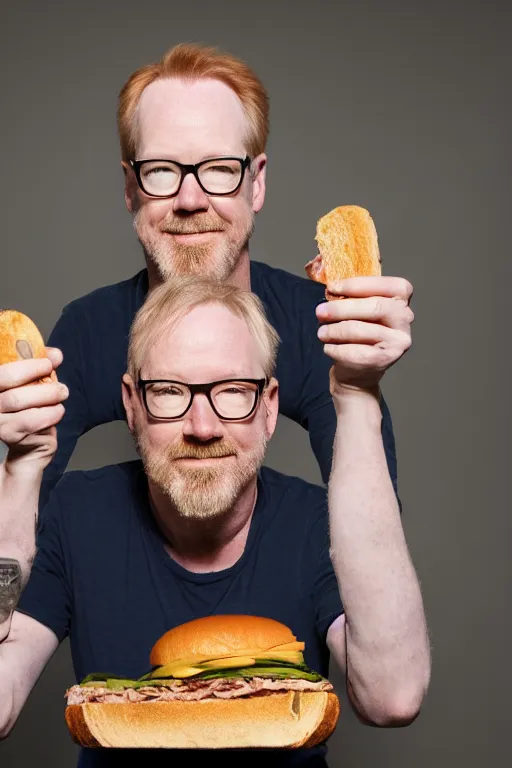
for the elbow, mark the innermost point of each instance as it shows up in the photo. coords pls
(7, 717)
(396, 709)
(397, 713)
(6, 726)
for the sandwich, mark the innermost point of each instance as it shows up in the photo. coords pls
(219, 682)
(348, 247)
(20, 340)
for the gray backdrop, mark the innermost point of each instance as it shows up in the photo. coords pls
(402, 107)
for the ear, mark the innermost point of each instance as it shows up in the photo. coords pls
(130, 186)
(271, 401)
(258, 175)
(130, 400)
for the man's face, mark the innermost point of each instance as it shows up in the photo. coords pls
(201, 463)
(193, 233)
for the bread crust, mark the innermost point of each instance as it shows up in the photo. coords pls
(217, 636)
(20, 339)
(347, 244)
(280, 721)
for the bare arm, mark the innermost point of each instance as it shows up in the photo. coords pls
(23, 656)
(28, 415)
(382, 641)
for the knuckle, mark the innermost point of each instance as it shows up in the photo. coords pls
(376, 308)
(406, 288)
(347, 329)
(6, 377)
(407, 343)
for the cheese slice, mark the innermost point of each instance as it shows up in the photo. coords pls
(176, 671)
(295, 646)
(236, 661)
(295, 657)
(290, 652)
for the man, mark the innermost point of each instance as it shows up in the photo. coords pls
(193, 130)
(198, 527)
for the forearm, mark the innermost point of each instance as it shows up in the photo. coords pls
(19, 493)
(387, 649)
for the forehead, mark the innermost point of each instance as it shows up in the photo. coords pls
(189, 120)
(210, 343)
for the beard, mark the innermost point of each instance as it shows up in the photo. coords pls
(201, 493)
(215, 259)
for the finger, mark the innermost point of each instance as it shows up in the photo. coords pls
(393, 313)
(15, 427)
(24, 372)
(358, 332)
(23, 398)
(55, 356)
(364, 287)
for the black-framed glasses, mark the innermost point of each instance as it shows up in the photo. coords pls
(230, 399)
(217, 176)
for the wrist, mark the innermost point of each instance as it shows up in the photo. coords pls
(357, 400)
(17, 470)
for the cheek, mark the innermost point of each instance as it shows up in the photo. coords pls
(161, 435)
(231, 209)
(152, 212)
(247, 436)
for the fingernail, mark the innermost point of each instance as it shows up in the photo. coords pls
(64, 390)
(322, 332)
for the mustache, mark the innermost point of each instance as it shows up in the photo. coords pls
(192, 451)
(193, 226)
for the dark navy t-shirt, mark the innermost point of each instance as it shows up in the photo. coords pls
(103, 577)
(93, 334)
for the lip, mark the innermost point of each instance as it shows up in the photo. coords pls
(203, 459)
(192, 237)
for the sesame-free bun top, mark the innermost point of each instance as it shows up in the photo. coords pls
(218, 636)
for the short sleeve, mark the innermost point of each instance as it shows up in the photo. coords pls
(47, 594)
(324, 590)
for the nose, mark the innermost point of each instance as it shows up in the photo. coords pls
(200, 422)
(191, 197)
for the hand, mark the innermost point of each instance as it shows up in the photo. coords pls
(366, 330)
(29, 411)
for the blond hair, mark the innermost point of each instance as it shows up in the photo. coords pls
(195, 62)
(166, 305)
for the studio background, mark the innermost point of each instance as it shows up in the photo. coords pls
(402, 107)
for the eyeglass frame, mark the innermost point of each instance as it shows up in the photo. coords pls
(203, 389)
(185, 169)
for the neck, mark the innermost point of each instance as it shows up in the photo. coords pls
(240, 276)
(203, 546)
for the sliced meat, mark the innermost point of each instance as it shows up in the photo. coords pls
(315, 270)
(194, 690)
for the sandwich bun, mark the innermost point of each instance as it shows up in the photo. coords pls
(348, 246)
(279, 721)
(20, 340)
(210, 688)
(220, 636)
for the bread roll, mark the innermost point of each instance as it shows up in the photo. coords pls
(283, 721)
(20, 340)
(347, 244)
(220, 636)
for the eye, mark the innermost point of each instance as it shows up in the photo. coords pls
(159, 170)
(226, 169)
(169, 390)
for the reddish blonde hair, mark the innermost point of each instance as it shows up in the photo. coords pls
(166, 305)
(194, 62)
